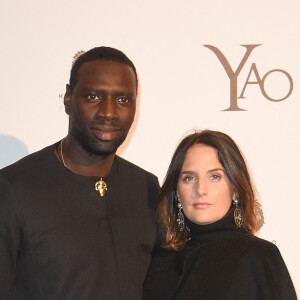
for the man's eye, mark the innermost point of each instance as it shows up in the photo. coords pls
(93, 98)
(124, 100)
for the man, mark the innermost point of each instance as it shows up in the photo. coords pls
(77, 221)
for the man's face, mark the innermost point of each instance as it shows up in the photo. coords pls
(102, 105)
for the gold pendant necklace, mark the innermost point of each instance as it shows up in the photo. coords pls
(100, 185)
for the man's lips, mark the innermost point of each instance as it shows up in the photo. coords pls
(202, 205)
(106, 134)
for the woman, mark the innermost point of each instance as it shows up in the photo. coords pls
(210, 215)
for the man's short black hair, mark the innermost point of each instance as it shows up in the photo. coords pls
(104, 53)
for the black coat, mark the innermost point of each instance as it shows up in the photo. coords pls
(221, 261)
(60, 240)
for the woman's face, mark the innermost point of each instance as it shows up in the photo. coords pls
(203, 186)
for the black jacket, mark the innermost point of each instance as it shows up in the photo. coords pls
(220, 262)
(60, 240)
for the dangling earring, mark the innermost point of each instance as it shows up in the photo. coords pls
(180, 217)
(238, 218)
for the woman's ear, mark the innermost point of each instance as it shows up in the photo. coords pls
(235, 195)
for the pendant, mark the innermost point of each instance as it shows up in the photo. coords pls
(101, 187)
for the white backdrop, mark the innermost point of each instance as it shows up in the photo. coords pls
(183, 85)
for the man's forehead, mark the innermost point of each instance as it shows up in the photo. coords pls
(105, 68)
(98, 63)
(106, 72)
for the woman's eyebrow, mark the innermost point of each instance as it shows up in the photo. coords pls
(216, 169)
(187, 172)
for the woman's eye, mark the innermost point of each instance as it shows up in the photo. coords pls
(215, 178)
(188, 178)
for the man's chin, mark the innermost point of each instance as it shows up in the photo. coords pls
(103, 148)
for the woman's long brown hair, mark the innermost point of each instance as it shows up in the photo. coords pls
(235, 168)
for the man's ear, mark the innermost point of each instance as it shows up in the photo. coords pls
(67, 100)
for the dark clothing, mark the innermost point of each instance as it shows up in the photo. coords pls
(220, 262)
(60, 240)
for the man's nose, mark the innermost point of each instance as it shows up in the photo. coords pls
(108, 109)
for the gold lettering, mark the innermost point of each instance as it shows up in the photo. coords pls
(259, 81)
(231, 74)
(262, 87)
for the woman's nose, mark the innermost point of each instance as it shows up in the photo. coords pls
(200, 188)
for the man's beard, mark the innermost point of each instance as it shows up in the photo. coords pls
(93, 145)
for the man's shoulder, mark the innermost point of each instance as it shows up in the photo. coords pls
(29, 163)
(131, 167)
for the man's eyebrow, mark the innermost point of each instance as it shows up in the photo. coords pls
(90, 89)
(99, 90)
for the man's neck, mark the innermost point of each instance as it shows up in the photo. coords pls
(79, 161)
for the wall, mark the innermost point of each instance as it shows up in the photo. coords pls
(183, 84)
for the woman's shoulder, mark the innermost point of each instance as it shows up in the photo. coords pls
(165, 260)
(259, 245)
(265, 258)
(162, 274)
(260, 251)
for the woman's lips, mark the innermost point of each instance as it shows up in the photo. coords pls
(202, 205)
